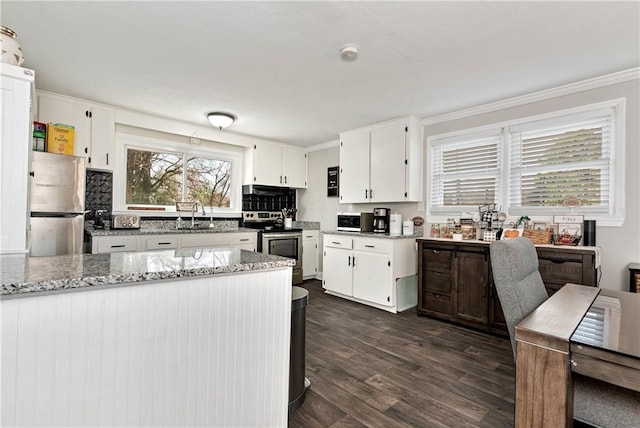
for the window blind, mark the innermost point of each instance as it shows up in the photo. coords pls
(466, 173)
(553, 162)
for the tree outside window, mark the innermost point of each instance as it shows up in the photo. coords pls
(156, 179)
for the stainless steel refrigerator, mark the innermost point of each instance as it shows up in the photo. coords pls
(57, 204)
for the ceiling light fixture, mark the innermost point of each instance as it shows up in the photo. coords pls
(221, 120)
(349, 52)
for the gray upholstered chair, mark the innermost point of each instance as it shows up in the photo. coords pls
(521, 290)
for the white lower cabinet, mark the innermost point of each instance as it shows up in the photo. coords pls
(113, 244)
(375, 271)
(310, 240)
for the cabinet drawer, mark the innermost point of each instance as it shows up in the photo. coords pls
(560, 272)
(117, 244)
(159, 242)
(243, 238)
(438, 302)
(336, 241)
(205, 240)
(309, 234)
(438, 281)
(373, 245)
(435, 259)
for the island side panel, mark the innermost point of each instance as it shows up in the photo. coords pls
(195, 351)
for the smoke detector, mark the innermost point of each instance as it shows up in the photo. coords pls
(349, 52)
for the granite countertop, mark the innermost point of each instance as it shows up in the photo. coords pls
(21, 274)
(92, 231)
(417, 234)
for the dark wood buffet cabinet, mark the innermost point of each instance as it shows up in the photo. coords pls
(455, 281)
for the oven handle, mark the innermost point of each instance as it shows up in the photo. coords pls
(282, 235)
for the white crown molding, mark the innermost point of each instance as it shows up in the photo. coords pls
(322, 146)
(571, 88)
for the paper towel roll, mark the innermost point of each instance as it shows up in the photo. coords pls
(395, 224)
(407, 227)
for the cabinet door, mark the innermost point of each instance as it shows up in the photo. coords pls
(294, 167)
(267, 165)
(15, 152)
(371, 277)
(388, 169)
(102, 138)
(471, 281)
(309, 255)
(337, 272)
(354, 167)
(55, 110)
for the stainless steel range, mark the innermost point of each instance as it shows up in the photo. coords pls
(274, 238)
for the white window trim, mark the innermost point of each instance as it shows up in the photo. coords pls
(124, 141)
(617, 196)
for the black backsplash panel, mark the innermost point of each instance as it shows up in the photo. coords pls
(269, 202)
(99, 192)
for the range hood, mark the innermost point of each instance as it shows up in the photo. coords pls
(261, 190)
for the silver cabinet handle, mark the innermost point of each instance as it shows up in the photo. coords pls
(244, 239)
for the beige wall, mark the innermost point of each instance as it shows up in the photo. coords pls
(619, 245)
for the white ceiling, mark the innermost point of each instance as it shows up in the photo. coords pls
(276, 65)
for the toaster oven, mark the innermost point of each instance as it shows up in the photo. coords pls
(125, 221)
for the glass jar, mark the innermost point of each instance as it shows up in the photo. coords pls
(435, 230)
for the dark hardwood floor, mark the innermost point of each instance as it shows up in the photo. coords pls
(368, 367)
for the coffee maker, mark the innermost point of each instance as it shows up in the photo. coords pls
(98, 218)
(381, 220)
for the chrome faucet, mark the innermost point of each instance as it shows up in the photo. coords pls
(194, 208)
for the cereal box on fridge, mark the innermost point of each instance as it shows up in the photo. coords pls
(60, 138)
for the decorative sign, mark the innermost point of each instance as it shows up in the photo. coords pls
(571, 219)
(333, 184)
(572, 203)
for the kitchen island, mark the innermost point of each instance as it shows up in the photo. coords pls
(195, 336)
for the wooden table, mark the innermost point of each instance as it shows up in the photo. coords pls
(548, 352)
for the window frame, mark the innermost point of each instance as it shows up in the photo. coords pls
(125, 141)
(614, 216)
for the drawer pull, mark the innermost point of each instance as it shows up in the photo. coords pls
(164, 243)
(118, 246)
(436, 273)
(244, 239)
(370, 246)
(337, 243)
(308, 236)
(557, 261)
(435, 251)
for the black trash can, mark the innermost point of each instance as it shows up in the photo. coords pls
(298, 384)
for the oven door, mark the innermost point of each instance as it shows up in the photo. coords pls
(283, 244)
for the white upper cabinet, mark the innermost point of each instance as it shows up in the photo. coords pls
(94, 127)
(294, 167)
(354, 166)
(16, 89)
(274, 165)
(382, 163)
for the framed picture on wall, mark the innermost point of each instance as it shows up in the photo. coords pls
(333, 181)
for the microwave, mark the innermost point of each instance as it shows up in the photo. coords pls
(355, 222)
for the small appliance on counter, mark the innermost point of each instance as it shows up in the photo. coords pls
(355, 222)
(125, 221)
(381, 220)
(395, 224)
(99, 217)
